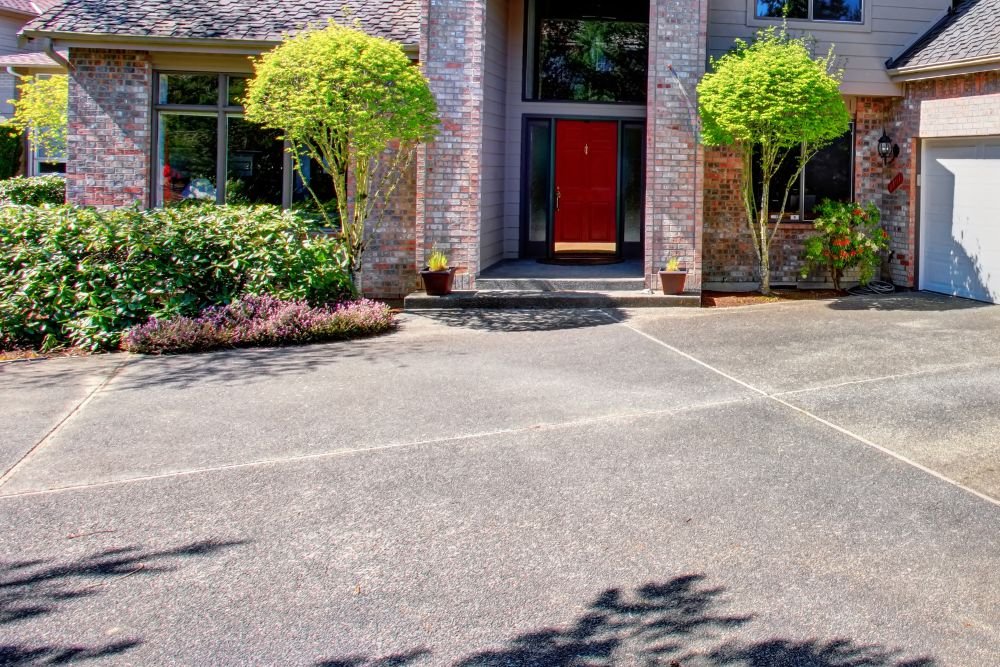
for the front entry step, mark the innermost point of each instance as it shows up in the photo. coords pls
(562, 284)
(511, 300)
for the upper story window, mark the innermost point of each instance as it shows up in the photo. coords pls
(586, 50)
(843, 11)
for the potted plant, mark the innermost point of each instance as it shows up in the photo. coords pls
(438, 276)
(672, 277)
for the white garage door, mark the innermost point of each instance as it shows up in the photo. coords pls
(960, 218)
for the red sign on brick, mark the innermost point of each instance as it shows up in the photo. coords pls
(896, 183)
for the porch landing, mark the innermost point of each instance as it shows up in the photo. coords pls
(513, 284)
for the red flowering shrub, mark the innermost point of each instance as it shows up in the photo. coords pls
(850, 235)
(259, 321)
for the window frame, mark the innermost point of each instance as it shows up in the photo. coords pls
(529, 68)
(222, 111)
(865, 25)
(800, 214)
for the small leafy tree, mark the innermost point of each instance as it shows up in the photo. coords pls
(850, 236)
(41, 110)
(355, 104)
(772, 101)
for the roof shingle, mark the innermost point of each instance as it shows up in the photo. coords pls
(971, 30)
(267, 20)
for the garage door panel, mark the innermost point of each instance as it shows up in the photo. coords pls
(960, 219)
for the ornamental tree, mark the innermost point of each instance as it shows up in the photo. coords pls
(773, 102)
(356, 105)
(41, 110)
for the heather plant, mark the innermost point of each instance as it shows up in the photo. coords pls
(850, 236)
(33, 190)
(254, 321)
(81, 277)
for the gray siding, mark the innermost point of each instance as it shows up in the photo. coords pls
(494, 134)
(890, 26)
(9, 27)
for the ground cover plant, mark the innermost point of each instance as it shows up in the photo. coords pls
(255, 321)
(79, 277)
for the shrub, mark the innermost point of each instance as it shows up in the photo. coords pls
(259, 321)
(81, 277)
(33, 191)
(850, 236)
(10, 150)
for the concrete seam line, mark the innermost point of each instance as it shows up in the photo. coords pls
(62, 422)
(377, 448)
(816, 418)
(884, 378)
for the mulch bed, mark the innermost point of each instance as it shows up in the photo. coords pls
(711, 299)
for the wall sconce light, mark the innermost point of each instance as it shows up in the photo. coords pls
(887, 150)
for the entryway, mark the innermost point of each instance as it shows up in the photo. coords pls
(586, 188)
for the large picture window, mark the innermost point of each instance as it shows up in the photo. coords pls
(586, 51)
(828, 175)
(205, 150)
(845, 11)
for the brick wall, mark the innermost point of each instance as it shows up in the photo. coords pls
(449, 171)
(108, 143)
(389, 266)
(674, 167)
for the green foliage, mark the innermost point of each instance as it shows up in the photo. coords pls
(344, 98)
(850, 236)
(772, 101)
(41, 109)
(10, 150)
(33, 191)
(438, 261)
(78, 276)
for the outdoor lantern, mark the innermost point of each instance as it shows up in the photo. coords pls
(887, 150)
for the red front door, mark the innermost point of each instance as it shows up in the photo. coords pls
(586, 186)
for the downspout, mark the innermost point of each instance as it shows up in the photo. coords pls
(51, 52)
(12, 72)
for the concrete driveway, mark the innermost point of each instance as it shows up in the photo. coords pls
(805, 484)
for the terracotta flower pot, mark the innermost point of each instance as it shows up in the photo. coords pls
(438, 283)
(672, 282)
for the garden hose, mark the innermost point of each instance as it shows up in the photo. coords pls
(874, 287)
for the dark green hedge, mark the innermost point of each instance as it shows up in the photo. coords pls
(33, 191)
(10, 151)
(77, 276)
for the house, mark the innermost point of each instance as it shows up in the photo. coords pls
(569, 128)
(18, 59)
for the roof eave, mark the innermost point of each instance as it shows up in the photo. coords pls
(951, 68)
(192, 44)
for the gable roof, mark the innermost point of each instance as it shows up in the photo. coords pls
(231, 20)
(969, 32)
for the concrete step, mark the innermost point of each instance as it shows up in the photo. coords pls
(562, 284)
(514, 299)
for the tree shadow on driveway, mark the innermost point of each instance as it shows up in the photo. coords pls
(513, 321)
(670, 624)
(35, 588)
(927, 302)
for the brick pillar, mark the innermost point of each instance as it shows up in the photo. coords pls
(108, 149)
(449, 190)
(674, 159)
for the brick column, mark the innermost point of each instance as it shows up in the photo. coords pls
(108, 149)
(674, 160)
(449, 189)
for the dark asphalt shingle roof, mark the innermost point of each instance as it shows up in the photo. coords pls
(398, 20)
(971, 30)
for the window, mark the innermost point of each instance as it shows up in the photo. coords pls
(206, 150)
(586, 51)
(844, 11)
(828, 175)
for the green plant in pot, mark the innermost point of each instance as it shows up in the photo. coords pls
(438, 276)
(672, 277)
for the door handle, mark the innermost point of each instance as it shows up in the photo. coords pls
(558, 197)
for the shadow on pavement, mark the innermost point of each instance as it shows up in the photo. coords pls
(538, 319)
(670, 624)
(906, 301)
(34, 588)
